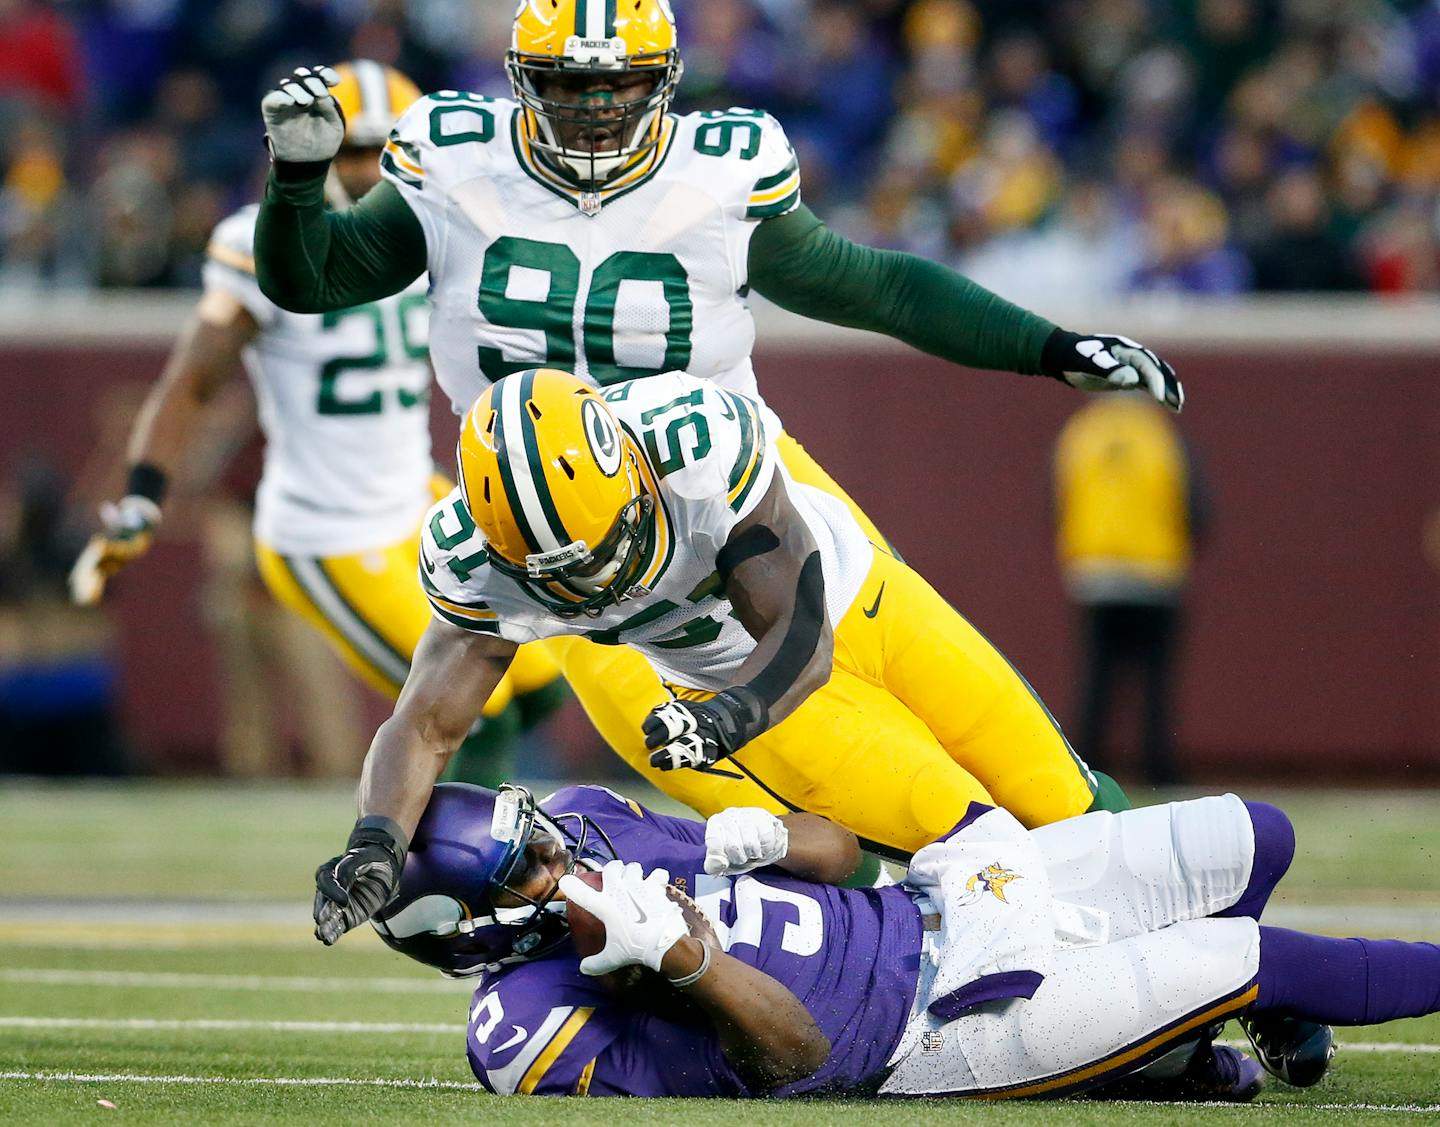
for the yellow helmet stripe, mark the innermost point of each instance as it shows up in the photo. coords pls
(522, 474)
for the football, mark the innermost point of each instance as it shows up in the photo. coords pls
(586, 931)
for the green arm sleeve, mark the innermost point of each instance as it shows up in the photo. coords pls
(310, 260)
(803, 266)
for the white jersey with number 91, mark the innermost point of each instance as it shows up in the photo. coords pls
(646, 276)
(343, 398)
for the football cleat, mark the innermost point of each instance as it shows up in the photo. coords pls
(1214, 1074)
(1298, 1052)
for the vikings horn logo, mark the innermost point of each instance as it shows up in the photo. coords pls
(992, 879)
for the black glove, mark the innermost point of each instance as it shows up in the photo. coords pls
(351, 888)
(697, 734)
(1101, 362)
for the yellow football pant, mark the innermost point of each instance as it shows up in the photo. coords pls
(921, 716)
(370, 607)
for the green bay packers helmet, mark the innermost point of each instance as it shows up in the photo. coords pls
(555, 46)
(371, 97)
(553, 483)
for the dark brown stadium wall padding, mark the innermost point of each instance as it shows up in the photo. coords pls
(1313, 640)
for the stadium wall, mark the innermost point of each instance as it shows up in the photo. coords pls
(1312, 644)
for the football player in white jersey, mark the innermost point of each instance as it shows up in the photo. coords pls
(343, 401)
(584, 226)
(657, 516)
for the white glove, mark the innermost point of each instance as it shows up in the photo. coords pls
(303, 122)
(743, 838)
(1104, 362)
(641, 922)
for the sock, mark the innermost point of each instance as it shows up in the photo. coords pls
(1346, 981)
(1274, 850)
(867, 874)
(1108, 795)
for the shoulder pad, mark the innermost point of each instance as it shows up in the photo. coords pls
(440, 130)
(535, 1027)
(754, 145)
(232, 243)
(453, 567)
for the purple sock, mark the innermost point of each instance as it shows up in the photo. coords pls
(1274, 850)
(1346, 981)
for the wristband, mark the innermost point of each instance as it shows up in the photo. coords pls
(149, 481)
(694, 976)
(742, 715)
(293, 171)
(1057, 351)
(382, 831)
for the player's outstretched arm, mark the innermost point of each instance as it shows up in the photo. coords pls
(771, 569)
(765, 1031)
(451, 677)
(309, 259)
(801, 265)
(204, 357)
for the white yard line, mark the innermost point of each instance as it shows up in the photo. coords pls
(160, 980)
(244, 1081)
(459, 1086)
(199, 1024)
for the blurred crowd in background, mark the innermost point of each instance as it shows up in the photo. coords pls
(1047, 148)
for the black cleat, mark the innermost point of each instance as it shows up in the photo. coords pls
(1216, 1073)
(1298, 1052)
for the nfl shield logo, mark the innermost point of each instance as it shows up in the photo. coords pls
(590, 203)
(932, 1041)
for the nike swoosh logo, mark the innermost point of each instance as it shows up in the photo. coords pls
(520, 1034)
(874, 610)
(640, 915)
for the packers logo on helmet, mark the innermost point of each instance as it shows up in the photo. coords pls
(553, 483)
(594, 79)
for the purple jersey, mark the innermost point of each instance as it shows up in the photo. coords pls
(851, 956)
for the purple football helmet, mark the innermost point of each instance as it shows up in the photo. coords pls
(469, 842)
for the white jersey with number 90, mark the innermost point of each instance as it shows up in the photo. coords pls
(647, 276)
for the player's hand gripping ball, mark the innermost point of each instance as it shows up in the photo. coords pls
(674, 915)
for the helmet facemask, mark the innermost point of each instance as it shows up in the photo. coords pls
(462, 931)
(578, 579)
(579, 129)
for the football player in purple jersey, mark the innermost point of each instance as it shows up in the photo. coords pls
(1009, 963)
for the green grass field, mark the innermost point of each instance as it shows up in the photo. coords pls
(155, 953)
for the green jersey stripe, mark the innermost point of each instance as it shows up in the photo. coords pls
(430, 589)
(747, 422)
(537, 467)
(465, 623)
(507, 482)
(770, 210)
(779, 178)
(739, 501)
(387, 162)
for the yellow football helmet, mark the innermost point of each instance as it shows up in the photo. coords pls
(371, 96)
(561, 54)
(553, 483)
